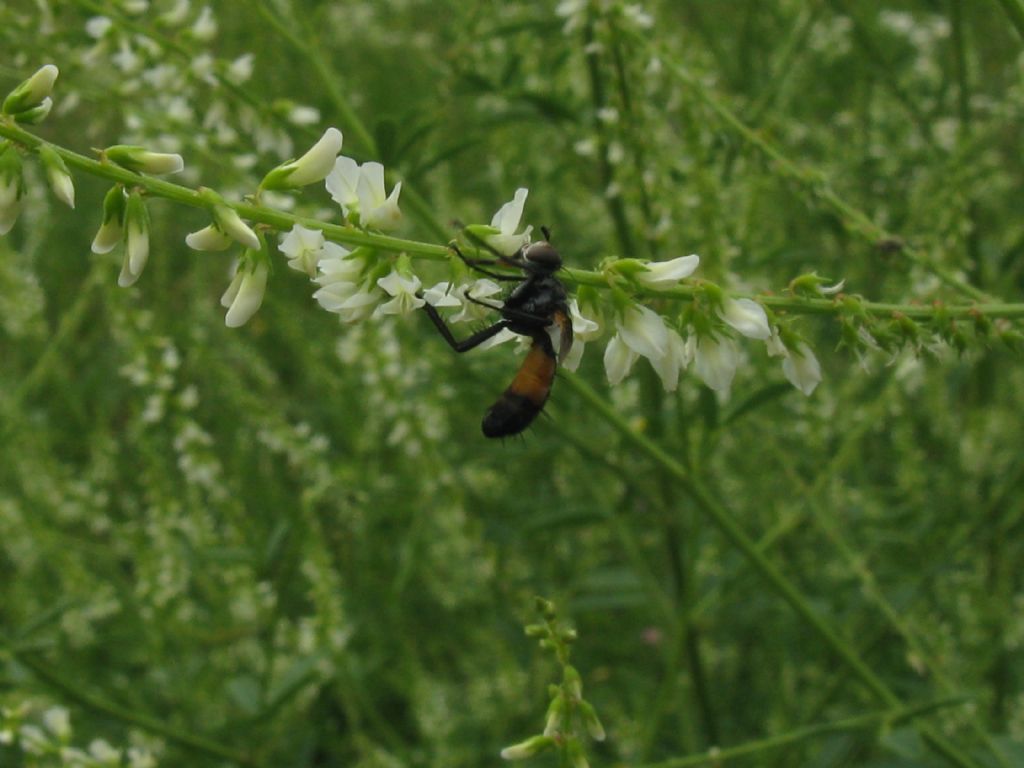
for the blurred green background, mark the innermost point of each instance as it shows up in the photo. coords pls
(291, 541)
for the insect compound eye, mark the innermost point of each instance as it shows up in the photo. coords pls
(543, 255)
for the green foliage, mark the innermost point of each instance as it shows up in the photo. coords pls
(288, 545)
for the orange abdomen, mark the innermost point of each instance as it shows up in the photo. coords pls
(519, 405)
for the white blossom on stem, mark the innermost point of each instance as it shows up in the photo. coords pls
(801, 369)
(665, 274)
(245, 293)
(715, 360)
(505, 221)
(304, 248)
(746, 316)
(402, 288)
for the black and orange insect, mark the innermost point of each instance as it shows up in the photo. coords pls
(530, 309)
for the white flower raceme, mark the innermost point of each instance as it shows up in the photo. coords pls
(303, 247)
(359, 190)
(402, 288)
(245, 293)
(715, 360)
(665, 274)
(746, 316)
(506, 220)
(312, 167)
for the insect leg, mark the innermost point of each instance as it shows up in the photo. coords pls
(465, 345)
(479, 265)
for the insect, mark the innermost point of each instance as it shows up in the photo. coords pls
(530, 309)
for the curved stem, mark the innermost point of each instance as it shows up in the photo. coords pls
(348, 235)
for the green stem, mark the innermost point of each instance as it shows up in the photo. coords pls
(158, 726)
(717, 756)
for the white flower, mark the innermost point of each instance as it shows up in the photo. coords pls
(746, 316)
(342, 291)
(360, 304)
(644, 331)
(209, 238)
(402, 289)
(312, 167)
(478, 289)
(715, 360)
(342, 183)
(104, 753)
(441, 295)
(618, 359)
(377, 210)
(665, 274)
(58, 722)
(669, 365)
(506, 241)
(204, 29)
(303, 247)
(583, 330)
(245, 293)
(240, 70)
(801, 368)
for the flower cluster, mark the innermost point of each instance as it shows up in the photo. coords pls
(357, 284)
(46, 736)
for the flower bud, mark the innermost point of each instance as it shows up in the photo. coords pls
(555, 716)
(571, 679)
(308, 169)
(57, 175)
(525, 749)
(111, 228)
(231, 224)
(136, 250)
(32, 92)
(591, 721)
(210, 238)
(245, 293)
(12, 186)
(35, 115)
(665, 274)
(141, 160)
